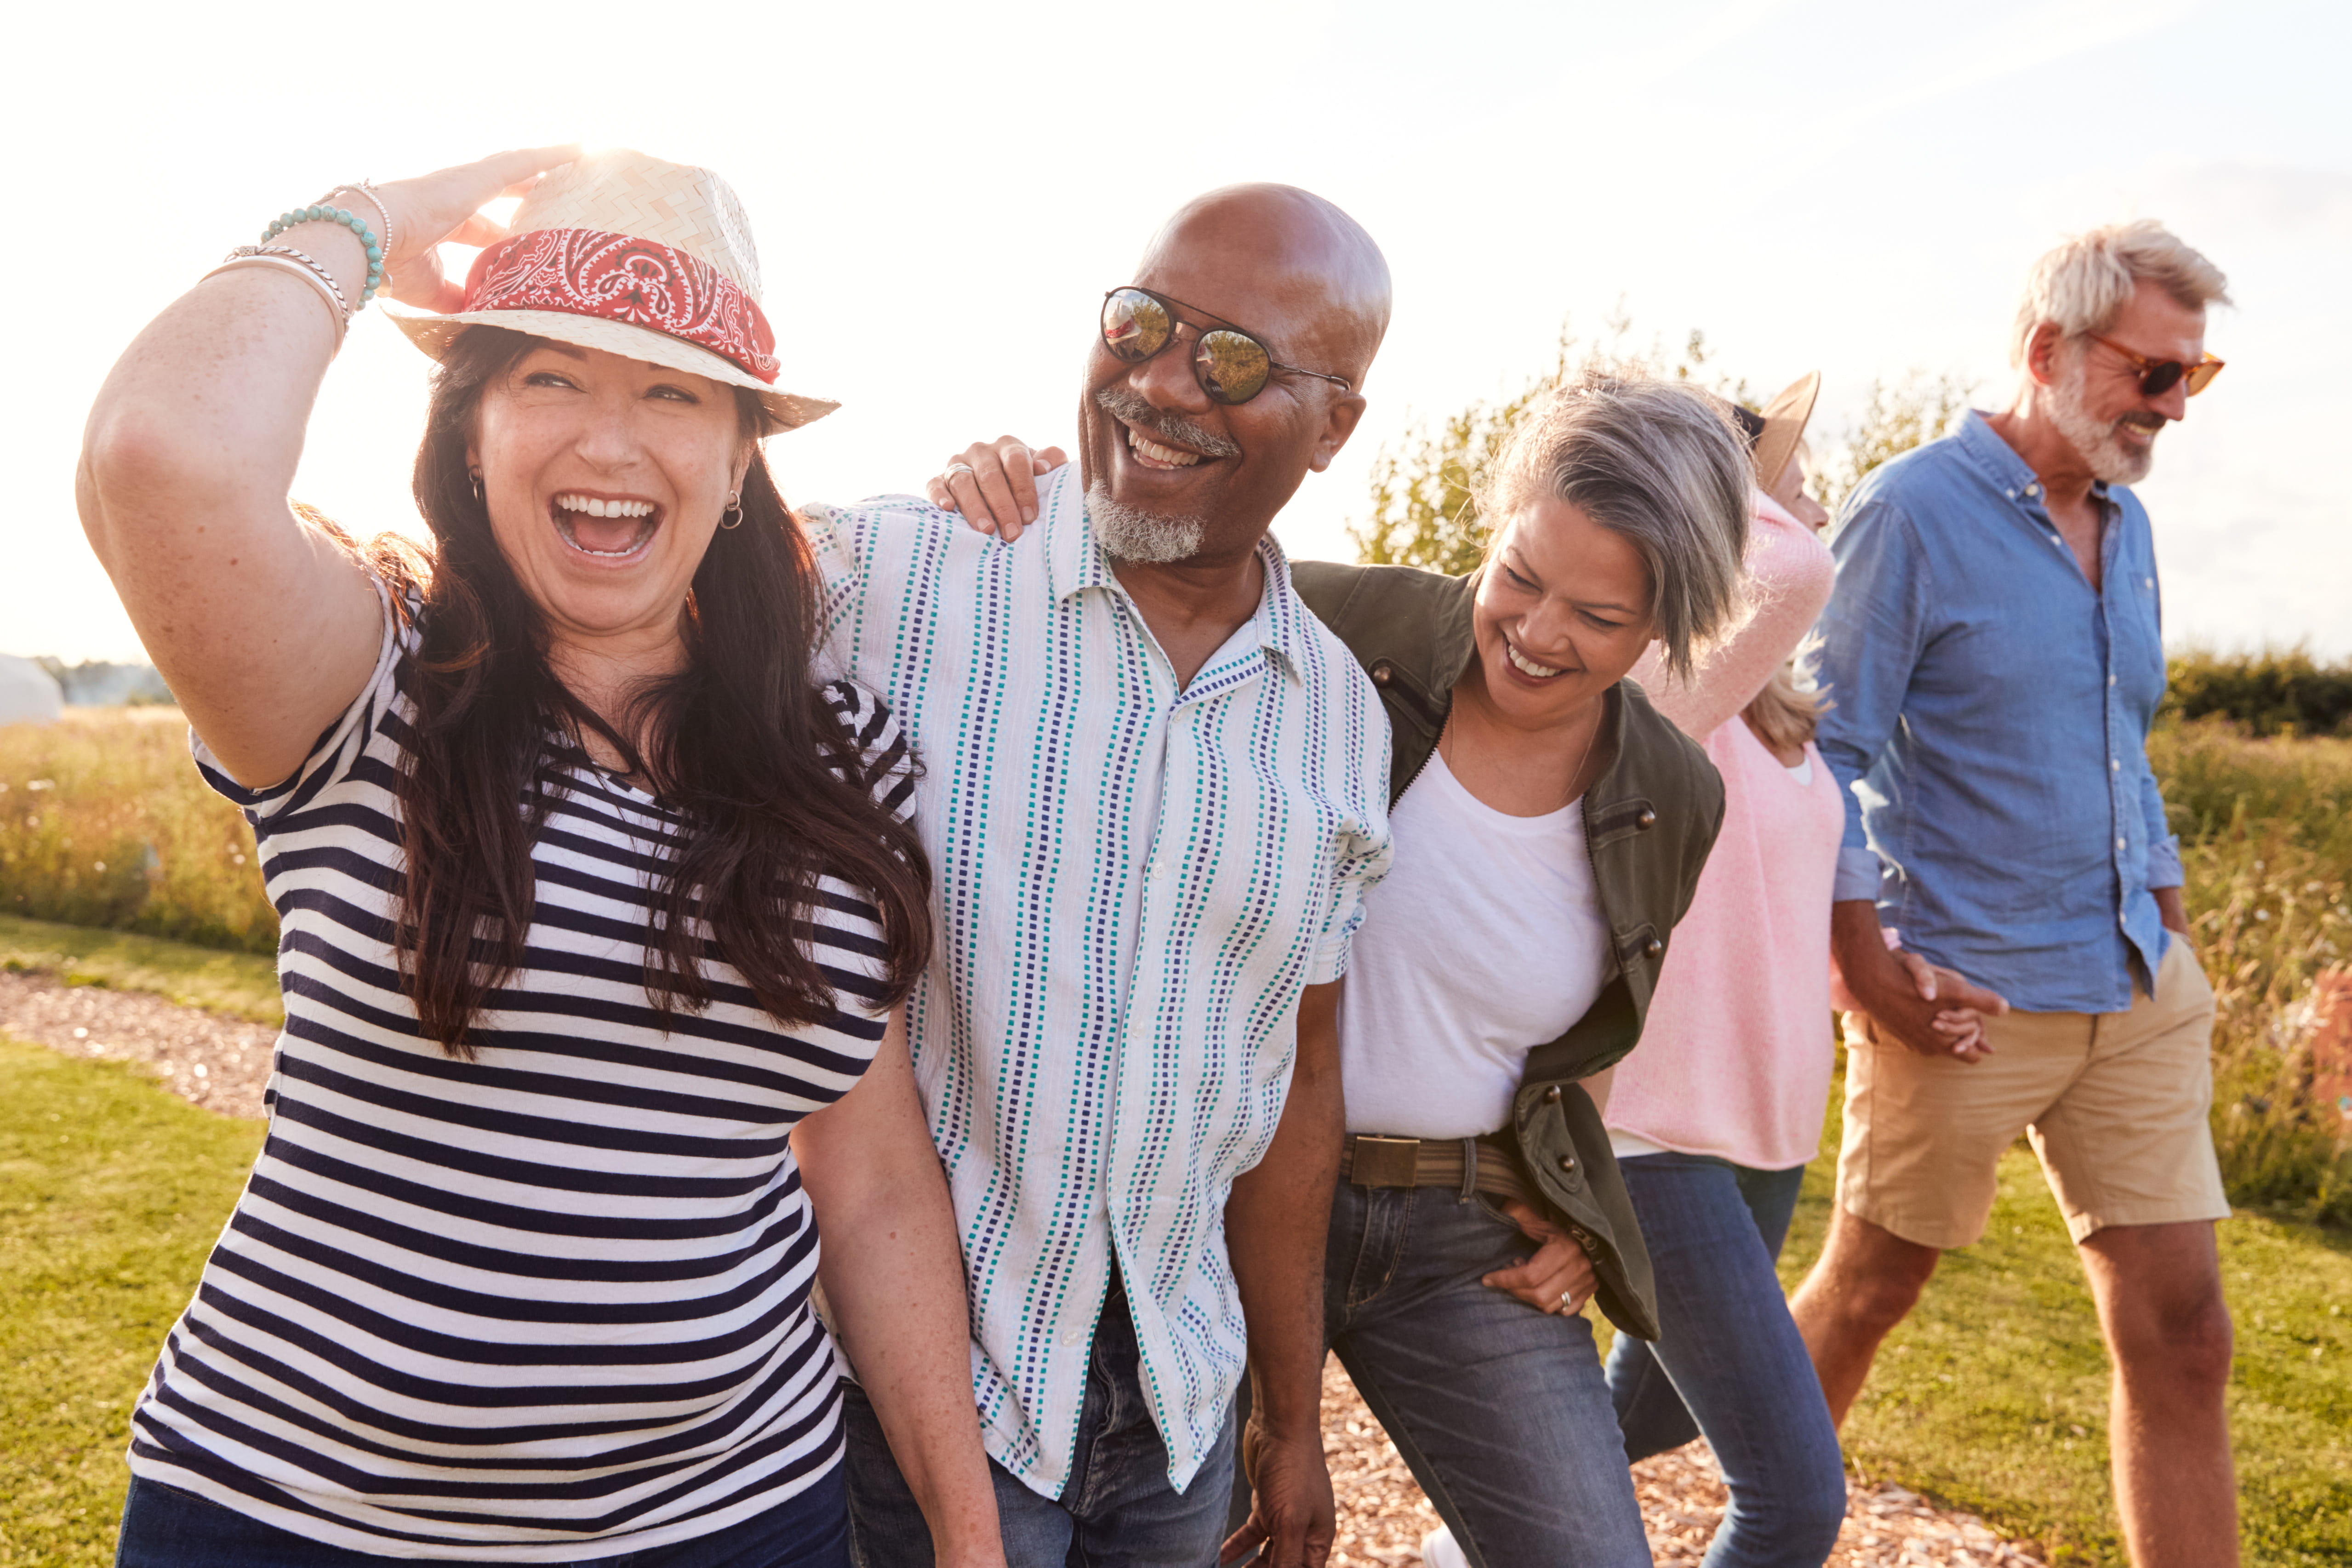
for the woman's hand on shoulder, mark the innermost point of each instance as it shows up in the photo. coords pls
(995, 485)
(1559, 1277)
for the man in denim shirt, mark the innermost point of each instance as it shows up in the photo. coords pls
(1993, 656)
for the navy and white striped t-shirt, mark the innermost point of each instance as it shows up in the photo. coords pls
(547, 1304)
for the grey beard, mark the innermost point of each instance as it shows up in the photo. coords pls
(1144, 539)
(2108, 459)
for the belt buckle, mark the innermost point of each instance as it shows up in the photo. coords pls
(1383, 1162)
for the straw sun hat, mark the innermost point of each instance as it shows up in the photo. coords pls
(639, 257)
(1782, 425)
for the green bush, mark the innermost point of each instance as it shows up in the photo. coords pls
(2269, 692)
(2266, 842)
(103, 821)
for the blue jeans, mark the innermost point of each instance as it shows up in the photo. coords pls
(1728, 1362)
(1501, 1410)
(164, 1527)
(1117, 1510)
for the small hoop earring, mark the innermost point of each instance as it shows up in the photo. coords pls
(734, 510)
(477, 485)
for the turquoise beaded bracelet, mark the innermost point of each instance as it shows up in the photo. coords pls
(337, 216)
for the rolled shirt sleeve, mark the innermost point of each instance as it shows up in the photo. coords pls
(1862, 653)
(1364, 856)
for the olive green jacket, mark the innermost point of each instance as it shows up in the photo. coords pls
(1650, 820)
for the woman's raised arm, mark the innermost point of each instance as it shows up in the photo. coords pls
(265, 628)
(1788, 577)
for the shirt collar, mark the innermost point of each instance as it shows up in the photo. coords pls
(1076, 562)
(2000, 463)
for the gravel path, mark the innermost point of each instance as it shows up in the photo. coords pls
(222, 1063)
(1384, 1514)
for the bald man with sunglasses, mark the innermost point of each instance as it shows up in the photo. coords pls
(1154, 792)
(1994, 656)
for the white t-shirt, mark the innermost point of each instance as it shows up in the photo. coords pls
(1486, 941)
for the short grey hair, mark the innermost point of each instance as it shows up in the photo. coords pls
(1661, 463)
(2083, 284)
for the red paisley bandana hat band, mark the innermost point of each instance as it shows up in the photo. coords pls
(637, 257)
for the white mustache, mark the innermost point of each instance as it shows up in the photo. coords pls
(1127, 406)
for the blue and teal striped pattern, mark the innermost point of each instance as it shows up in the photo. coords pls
(1134, 883)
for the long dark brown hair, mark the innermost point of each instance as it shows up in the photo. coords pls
(769, 788)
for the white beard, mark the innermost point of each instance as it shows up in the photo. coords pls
(1146, 539)
(2106, 453)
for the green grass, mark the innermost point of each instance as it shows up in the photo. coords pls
(244, 984)
(1992, 1396)
(111, 1191)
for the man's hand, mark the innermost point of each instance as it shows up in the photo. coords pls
(995, 485)
(2170, 910)
(1923, 1008)
(1558, 1278)
(1293, 1515)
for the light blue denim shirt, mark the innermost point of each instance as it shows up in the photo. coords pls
(1987, 719)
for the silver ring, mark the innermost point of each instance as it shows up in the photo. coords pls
(1567, 1302)
(952, 469)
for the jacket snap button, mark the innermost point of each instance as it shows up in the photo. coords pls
(1383, 673)
(1653, 947)
(1646, 820)
(1551, 1095)
(1567, 1162)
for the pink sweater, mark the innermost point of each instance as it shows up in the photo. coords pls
(1735, 1059)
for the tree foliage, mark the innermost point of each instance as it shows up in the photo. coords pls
(1425, 509)
(1897, 416)
(1424, 485)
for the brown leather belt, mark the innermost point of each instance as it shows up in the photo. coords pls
(1370, 1160)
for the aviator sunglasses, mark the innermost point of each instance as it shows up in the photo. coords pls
(2158, 377)
(1232, 366)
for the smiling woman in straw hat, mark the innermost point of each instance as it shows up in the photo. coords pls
(597, 909)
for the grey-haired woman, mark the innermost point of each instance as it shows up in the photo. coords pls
(1550, 827)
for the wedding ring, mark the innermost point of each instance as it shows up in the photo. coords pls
(952, 469)
(1567, 1302)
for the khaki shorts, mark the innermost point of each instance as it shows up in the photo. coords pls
(2116, 1104)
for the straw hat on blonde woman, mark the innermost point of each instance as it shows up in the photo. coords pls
(597, 905)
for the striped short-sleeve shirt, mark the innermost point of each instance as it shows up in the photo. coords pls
(1134, 879)
(552, 1303)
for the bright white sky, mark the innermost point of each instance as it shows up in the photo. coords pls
(1845, 184)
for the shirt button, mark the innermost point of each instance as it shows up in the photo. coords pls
(2114, 765)
(2111, 680)
(2119, 843)
(1646, 820)
(2033, 489)
(1383, 673)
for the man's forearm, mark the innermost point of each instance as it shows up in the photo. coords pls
(1276, 1225)
(1859, 944)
